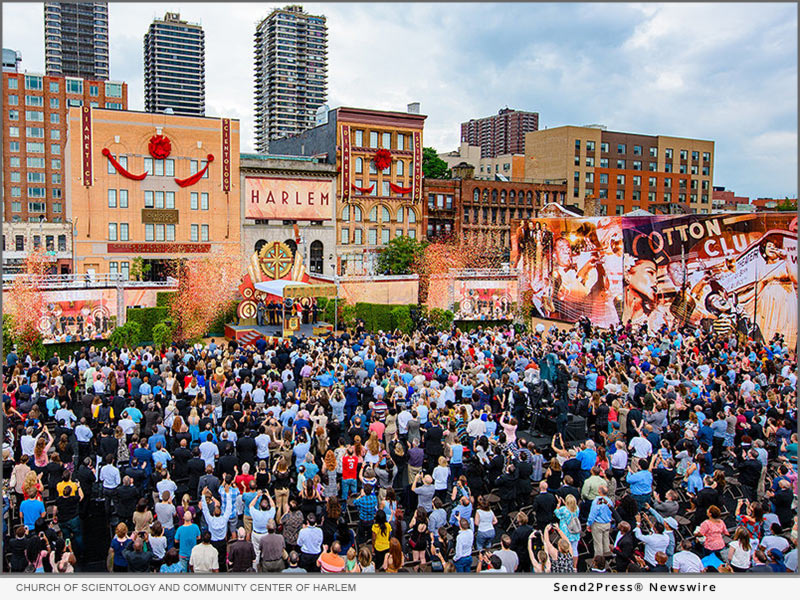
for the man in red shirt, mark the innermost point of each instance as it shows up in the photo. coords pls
(349, 473)
(243, 479)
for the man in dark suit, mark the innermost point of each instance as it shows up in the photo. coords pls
(706, 497)
(544, 505)
(433, 445)
(624, 546)
(749, 474)
(195, 469)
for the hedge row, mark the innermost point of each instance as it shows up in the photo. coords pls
(472, 325)
(67, 348)
(383, 317)
(147, 318)
(164, 298)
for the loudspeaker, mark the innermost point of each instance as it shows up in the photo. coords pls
(576, 429)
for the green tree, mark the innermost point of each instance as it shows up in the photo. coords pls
(433, 166)
(162, 335)
(787, 205)
(399, 255)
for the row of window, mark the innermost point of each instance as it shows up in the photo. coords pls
(637, 180)
(385, 214)
(72, 86)
(157, 167)
(636, 165)
(34, 147)
(55, 103)
(378, 188)
(34, 162)
(372, 236)
(383, 139)
(36, 192)
(637, 151)
(34, 207)
(157, 232)
(636, 196)
(34, 132)
(50, 242)
(399, 167)
(157, 199)
(35, 177)
(474, 215)
(443, 201)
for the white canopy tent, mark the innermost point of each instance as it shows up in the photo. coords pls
(276, 286)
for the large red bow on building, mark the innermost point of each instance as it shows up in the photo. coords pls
(382, 159)
(120, 169)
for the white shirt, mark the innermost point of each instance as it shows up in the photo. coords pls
(686, 561)
(127, 425)
(476, 428)
(642, 448)
(262, 446)
(402, 421)
(208, 452)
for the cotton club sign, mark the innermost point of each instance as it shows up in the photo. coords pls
(159, 148)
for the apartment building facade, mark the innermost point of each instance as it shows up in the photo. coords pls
(291, 73)
(174, 67)
(503, 133)
(76, 39)
(624, 171)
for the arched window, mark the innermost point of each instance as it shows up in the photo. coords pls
(386, 216)
(494, 196)
(485, 195)
(400, 215)
(373, 214)
(512, 196)
(346, 213)
(316, 257)
(412, 215)
(359, 165)
(400, 167)
(476, 195)
(530, 198)
(356, 213)
(259, 245)
(292, 246)
(503, 197)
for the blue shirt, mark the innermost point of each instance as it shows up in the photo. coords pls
(588, 458)
(187, 539)
(458, 454)
(641, 482)
(600, 511)
(31, 510)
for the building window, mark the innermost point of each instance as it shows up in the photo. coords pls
(684, 154)
(13, 132)
(13, 84)
(400, 215)
(668, 153)
(620, 195)
(55, 163)
(203, 200)
(651, 196)
(74, 86)
(668, 168)
(637, 180)
(16, 206)
(620, 179)
(400, 168)
(603, 193)
(695, 155)
(359, 138)
(705, 171)
(316, 257)
(149, 232)
(344, 237)
(159, 232)
(619, 209)
(385, 235)
(55, 148)
(653, 152)
(637, 165)
(682, 169)
(386, 216)
(620, 163)
(204, 233)
(706, 156)
(636, 195)
(33, 82)
(621, 148)
(357, 214)
(412, 216)
(169, 200)
(62, 243)
(148, 199)
(589, 177)
(194, 234)
(400, 141)
(385, 188)
(359, 165)
(114, 90)
(577, 145)
(373, 139)
(14, 147)
(112, 198)
(603, 163)
(112, 232)
(387, 141)
(55, 103)
(589, 161)
(357, 237)
(372, 237)
(637, 150)
(123, 232)
(193, 200)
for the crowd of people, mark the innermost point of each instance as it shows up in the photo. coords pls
(670, 451)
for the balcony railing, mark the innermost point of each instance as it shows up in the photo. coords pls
(88, 281)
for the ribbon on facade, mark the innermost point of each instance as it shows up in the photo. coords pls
(364, 190)
(397, 189)
(197, 176)
(120, 169)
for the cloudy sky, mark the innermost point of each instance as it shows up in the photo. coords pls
(724, 72)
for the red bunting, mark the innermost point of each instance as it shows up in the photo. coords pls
(399, 189)
(120, 169)
(363, 190)
(197, 176)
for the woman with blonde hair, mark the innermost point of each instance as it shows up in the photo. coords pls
(185, 506)
(373, 445)
(568, 523)
(40, 451)
(740, 551)
(32, 486)
(282, 479)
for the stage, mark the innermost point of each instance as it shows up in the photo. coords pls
(248, 334)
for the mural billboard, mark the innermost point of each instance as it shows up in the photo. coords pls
(284, 198)
(728, 271)
(481, 299)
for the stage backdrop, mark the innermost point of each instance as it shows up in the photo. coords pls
(693, 269)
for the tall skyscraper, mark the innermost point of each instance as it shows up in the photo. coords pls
(503, 133)
(174, 67)
(76, 39)
(291, 50)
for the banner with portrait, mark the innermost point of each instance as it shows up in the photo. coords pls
(78, 315)
(482, 299)
(727, 271)
(571, 267)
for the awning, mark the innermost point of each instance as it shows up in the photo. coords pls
(286, 288)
